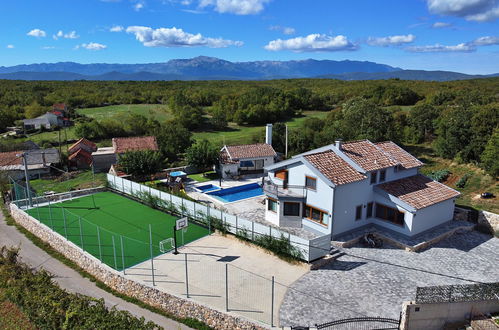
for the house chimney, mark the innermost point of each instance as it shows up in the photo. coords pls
(268, 134)
(338, 143)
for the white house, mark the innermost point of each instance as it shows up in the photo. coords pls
(338, 188)
(247, 158)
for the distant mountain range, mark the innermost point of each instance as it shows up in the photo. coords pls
(210, 68)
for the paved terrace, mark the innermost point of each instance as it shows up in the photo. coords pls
(375, 282)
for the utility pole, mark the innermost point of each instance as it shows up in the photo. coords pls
(28, 190)
(286, 143)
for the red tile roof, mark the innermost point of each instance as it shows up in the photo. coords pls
(419, 191)
(59, 106)
(83, 143)
(250, 151)
(225, 159)
(403, 157)
(122, 145)
(83, 155)
(334, 167)
(10, 158)
(365, 154)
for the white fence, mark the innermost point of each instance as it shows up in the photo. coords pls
(310, 249)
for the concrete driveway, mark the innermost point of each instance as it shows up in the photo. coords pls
(375, 282)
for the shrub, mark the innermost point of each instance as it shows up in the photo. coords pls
(440, 175)
(280, 246)
(462, 182)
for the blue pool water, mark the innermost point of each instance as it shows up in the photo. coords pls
(237, 193)
(207, 187)
(177, 173)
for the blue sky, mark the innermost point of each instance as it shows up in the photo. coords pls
(456, 35)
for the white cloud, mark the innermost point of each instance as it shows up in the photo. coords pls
(117, 28)
(391, 40)
(437, 48)
(471, 10)
(173, 37)
(238, 7)
(48, 47)
(138, 6)
(486, 41)
(439, 25)
(10, 46)
(92, 46)
(69, 35)
(284, 29)
(312, 43)
(37, 33)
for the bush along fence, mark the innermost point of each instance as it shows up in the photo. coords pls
(280, 242)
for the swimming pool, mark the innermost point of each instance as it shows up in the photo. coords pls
(207, 187)
(237, 193)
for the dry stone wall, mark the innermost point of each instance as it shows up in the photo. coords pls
(170, 303)
(492, 219)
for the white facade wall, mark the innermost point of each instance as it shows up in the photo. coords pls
(433, 215)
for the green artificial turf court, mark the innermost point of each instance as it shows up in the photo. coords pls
(116, 230)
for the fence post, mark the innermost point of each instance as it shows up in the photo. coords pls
(114, 253)
(38, 211)
(81, 233)
(50, 214)
(123, 185)
(152, 256)
(114, 179)
(236, 224)
(226, 287)
(98, 241)
(272, 305)
(122, 254)
(64, 222)
(186, 276)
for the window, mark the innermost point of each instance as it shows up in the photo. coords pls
(316, 215)
(291, 209)
(382, 175)
(282, 174)
(271, 205)
(246, 163)
(374, 176)
(358, 212)
(369, 212)
(389, 214)
(310, 183)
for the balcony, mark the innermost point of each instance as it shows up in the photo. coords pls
(290, 191)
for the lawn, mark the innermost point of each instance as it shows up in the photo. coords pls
(80, 181)
(477, 183)
(203, 177)
(157, 111)
(114, 228)
(237, 134)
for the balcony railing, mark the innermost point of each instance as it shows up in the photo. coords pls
(296, 191)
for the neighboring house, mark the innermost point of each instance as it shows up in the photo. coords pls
(80, 153)
(61, 111)
(47, 121)
(104, 158)
(122, 145)
(338, 188)
(38, 161)
(247, 158)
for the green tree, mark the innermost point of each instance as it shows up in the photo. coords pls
(140, 162)
(422, 121)
(34, 110)
(202, 155)
(454, 133)
(489, 157)
(173, 140)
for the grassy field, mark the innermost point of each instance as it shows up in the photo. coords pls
(113, 223)
(157, 111)
(477, 183)
(80, 181)
(203, 177)
(237, 134)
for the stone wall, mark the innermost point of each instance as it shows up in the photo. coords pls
(489, 218)
(170, 303)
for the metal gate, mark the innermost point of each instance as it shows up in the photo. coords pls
(361, 323)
